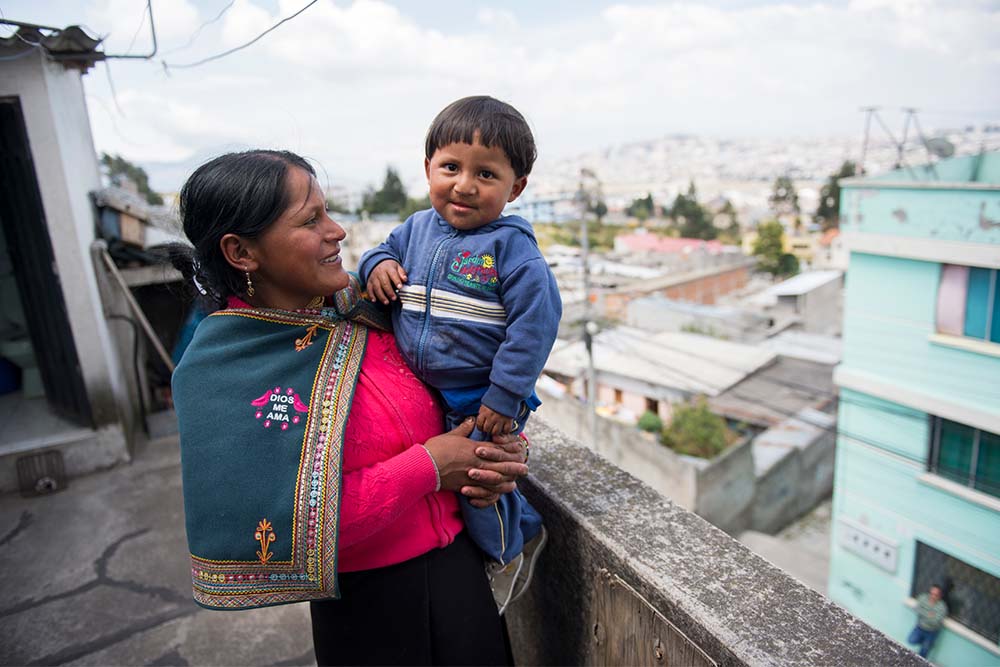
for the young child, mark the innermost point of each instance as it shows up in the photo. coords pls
(477, 308)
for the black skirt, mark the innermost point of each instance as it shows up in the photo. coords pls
(435, 609)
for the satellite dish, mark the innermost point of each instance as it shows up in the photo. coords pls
(940, 147)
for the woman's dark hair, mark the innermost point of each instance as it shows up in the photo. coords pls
(237, 193)
(498, 124)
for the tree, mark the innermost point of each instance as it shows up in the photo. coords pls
(650, 422)
(731, 233)
(599, 209)
(784, 199)
(695, 223)
(641, 208)
(696, 431)
(414, 205)
(828, 211)
(390, 198)
(120, 169)
(336, 206)
(769, 250)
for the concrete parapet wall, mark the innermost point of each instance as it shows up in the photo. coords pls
(794, 468)
(725, 488)
(697, 596)
(720, 490)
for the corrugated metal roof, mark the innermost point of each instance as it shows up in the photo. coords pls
(803, 283)
(685, 362)
(808, 346)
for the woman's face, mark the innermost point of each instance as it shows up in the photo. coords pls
(298, 257)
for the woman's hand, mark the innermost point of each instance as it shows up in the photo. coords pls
(507, 454)
(480, 471)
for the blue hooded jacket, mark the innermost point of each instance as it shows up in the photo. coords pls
(480, 307)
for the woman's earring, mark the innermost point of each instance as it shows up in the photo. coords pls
(250, 289)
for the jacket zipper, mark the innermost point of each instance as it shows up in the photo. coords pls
(432, 271)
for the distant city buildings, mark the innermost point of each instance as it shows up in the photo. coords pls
(917, 488)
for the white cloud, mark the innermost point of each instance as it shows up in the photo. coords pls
(497, 19)
(120, 19)
(356, 83)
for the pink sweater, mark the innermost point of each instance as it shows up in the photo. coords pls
(389, 510)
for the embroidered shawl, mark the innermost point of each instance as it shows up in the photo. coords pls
(262, 398)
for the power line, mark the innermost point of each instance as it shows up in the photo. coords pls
(800, 417)
(111, 85)
(835, 426)
(167, 65)
(815, 391)
(142, 22)
(787, 383)
(111, 118)
(797, 415)
(152, 30)
(197, 32)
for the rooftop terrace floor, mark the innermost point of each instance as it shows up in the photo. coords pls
(95, 575)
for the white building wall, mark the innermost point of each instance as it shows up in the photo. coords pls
(62, 147)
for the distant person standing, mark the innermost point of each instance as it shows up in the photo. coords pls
(931, 612)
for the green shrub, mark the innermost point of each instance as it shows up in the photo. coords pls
(696, 431)
(650, 422)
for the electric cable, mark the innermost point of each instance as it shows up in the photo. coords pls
(152, 30)
(217, 56)
(782, 411)
(114, 93)
(135, 35)
(797, 415)
(197, 32)
(788, 383)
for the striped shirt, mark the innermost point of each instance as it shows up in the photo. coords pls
(930, 616)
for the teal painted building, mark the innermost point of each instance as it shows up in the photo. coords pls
(917, 483)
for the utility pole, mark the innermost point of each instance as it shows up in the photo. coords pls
(869, 111)
(589, 326)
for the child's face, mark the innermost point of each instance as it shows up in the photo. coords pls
(470, 183)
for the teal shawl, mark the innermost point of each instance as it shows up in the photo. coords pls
(262, 398)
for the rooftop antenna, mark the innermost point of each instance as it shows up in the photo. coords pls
(864, 145)
(941, 148)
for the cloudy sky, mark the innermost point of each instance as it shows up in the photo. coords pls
(354, 84)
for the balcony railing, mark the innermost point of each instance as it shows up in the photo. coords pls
(629, 578)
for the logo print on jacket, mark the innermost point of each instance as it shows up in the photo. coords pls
(474, 271)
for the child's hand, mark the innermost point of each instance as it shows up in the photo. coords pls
(387, 277)
(493, 423)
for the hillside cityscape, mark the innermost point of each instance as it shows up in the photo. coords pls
(767, 431)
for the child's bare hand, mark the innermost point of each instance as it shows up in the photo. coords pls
(387, 277)
(493, 423)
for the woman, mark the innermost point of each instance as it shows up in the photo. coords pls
(313, 460)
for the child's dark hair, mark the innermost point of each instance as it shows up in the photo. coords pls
(236, 193)
(496, 122)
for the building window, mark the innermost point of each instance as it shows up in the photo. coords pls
(968, 302)
(653, 406)
(972, 595)
(618, 396)
(965, 455)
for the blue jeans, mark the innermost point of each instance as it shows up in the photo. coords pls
(501, 530)
(923, 637)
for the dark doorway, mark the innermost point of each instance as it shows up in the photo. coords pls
(22, 220)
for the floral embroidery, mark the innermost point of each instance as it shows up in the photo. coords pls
(306, 341)
(277, 412)
(264, 535)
